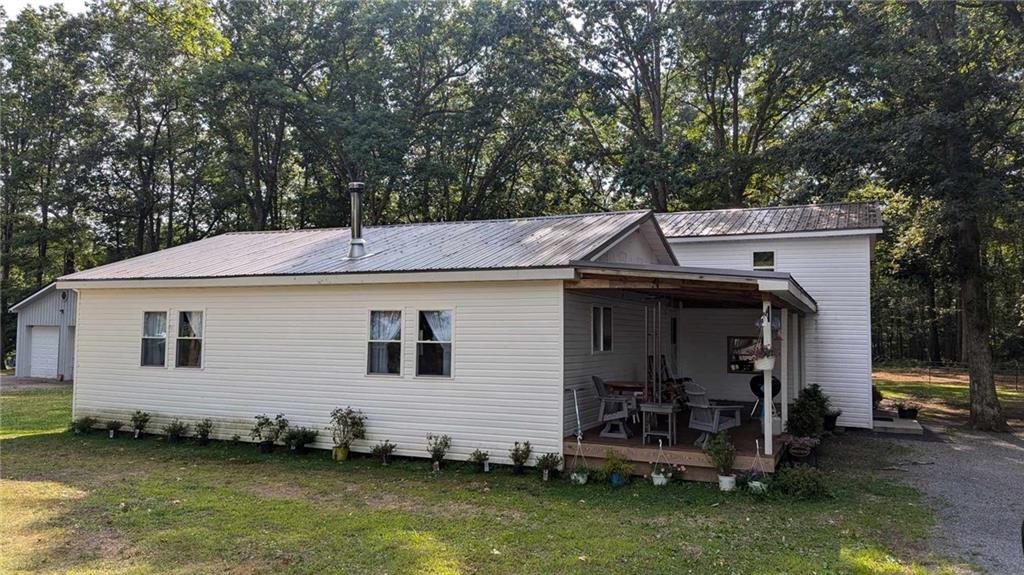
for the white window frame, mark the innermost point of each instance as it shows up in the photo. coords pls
(400, 340)
(418, 341)
(166, 338)
(753, 259)
(202, 339)
(611, 322)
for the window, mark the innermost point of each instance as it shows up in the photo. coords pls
(673, 331)
(384, 354)
(434, 343)
(764, 261)
(154, 338)
(601, 329)
(190, 339)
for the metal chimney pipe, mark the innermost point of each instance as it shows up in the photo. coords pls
(357, 246)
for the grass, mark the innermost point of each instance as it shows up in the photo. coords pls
(88, 504)
(944, 397)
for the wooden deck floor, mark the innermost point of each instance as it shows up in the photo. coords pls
(698, 467)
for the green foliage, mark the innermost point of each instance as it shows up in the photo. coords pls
(479, 457)
(347, 425)
(84, 424)
(614, 462)
(266, 429)
(721, 452)
(807, 416)
(520, 453)
(299, 437)
(204, 428)
(176, 429)
(549, 462)
(383, 450)
(801, 482)
(140, 419)
(113, 425)
(438, 446)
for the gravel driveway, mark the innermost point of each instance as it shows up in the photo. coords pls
(975, 481)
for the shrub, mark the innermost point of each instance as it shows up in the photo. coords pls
(614, 462)
(114, 425)
(347, 425)
(383, 450)
(801, 482)
(876, 396)
(807, 417)
(83, 424)
(140, 419)
(520, 453)
(266, 429)
(721, 452)
(549, 462)
(176, 429)
(203, 429)
(299, 437)
(479, 457)
(438, 446)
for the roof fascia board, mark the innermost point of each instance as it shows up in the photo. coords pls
(439, 276)
(32, 297)
(775, 236)
(791, 292)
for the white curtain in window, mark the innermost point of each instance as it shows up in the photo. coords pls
(385, 325)
(155, 324)
(191, 324)
(440, 323)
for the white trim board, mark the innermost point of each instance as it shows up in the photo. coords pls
(774, 236)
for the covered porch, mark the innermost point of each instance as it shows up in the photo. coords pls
(670, 330)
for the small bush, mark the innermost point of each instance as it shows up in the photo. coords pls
(438, 446)
(801, 482)
(299, 437)
(83, 424)
(479, 457)
(550, 462)
(176, 429)
(266, 429)
(807, 417)
(383, 450)
(520, 453)
(876, 396)
(614, 462)
(203, 429)
(114, 425)
(347, 425)
(140, 419)
(721, 452)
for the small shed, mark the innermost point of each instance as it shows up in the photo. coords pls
(46, 334)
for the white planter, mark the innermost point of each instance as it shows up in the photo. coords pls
(777, 425)
(765, 363)
(726, 482)
(111, 433)
(547, 474)
(579, 477)
(659, 479)
(487, 466)
(757, 487)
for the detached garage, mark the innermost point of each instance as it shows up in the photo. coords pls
(46, 334)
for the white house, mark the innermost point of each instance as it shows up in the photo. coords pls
(45, 340)
(488, 331)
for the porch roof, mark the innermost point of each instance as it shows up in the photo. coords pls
(702, 286)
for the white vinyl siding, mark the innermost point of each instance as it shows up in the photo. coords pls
(836, 272)
(302, 351)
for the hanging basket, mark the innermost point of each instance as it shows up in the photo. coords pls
(765, 363)
(580, 471)
(661, 471)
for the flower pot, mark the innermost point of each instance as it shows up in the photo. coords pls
(907, 412)
(726, 482)
(385, 459)
(799, 451)
(660, 479)
(112, 433)
(764, 363)
(138, 434)
(266, 446)
(485, 467)
(777, 427)
(757, 487)
(579, 477)
(617, 479)
(546, 474)
(830, 421)
(339, 453)
(436, 466)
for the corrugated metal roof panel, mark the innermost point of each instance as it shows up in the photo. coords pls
(775, 220)
(548, 241)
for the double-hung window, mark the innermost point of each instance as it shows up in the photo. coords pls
(154, 338)
(434, 343)
(601, 329)
(189, 350)
(384, 353)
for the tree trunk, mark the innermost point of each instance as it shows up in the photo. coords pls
(986, 412)
(934, 353)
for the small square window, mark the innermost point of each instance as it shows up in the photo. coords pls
(764, 261)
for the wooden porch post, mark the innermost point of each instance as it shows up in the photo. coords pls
(784, 367)
(766, 339)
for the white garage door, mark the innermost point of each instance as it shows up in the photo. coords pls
(44, 351)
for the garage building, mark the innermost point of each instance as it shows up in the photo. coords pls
(46, 334)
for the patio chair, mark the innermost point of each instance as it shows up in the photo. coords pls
(707, 417)
(614, 411)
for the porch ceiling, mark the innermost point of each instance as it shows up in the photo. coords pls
(698, 287)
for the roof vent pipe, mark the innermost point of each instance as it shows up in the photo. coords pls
(357, 246)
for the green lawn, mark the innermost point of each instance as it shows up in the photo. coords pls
(944, 397)
(87, 504)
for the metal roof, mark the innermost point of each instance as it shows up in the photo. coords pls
(33, 297)
(775, 220)
(549, 241)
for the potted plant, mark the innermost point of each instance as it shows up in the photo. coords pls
(549, 463)
(437, 447)
(616, 468)
(661, 473)
(801, 447)
(113, 426)
(297, 438)
(722, 453)
(267, 431)
(764, 357)
(83, 425)
(907, 410)
(383, 451)
(140, 419)
(176, 430)
(752, 480)
(831, 417)
(482, 459)
(203, 430)
(347, 425)
(520, 455)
